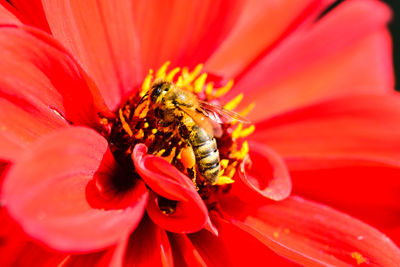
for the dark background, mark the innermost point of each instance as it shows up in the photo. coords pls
(395, 29)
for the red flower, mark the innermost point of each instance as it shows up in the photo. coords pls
(325, 114)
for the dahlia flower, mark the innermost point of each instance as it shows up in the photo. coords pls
(95, 172)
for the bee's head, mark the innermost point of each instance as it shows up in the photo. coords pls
(158, 90)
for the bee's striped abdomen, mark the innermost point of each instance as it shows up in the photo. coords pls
(206, 153)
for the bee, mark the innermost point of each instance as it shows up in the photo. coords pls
(198, 123)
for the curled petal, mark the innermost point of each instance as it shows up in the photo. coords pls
(41, 88)
(266, 178)
(190, 214)
(45, 192)
(38, 71)
(113, 187)
(312, 234)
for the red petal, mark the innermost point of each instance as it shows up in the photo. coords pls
(250, 38)
(233, 247)
(148, 246)
(32, 13)
(28, 254)
(365, 189)
(190, 214)
(185, 254)
(45, 193)
(188, 31)
(102, 36)
(40, 86)
(362, 126)
(312, 234)
(35, 256)
(117, 42)
(267, 178)
(322, 61)
(21, 124)
(98, 259)
(17, 250)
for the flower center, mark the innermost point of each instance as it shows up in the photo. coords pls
(177, 115)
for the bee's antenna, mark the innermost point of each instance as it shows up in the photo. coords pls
(143, 98)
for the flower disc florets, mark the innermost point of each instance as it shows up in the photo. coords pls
(137, 121)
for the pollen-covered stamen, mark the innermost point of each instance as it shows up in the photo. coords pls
(140, 120)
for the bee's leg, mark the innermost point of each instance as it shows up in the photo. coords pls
(192, 174)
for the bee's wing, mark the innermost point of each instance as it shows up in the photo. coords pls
(202, 120)
(220, 114)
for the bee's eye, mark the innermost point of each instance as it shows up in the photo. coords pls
(157, 90)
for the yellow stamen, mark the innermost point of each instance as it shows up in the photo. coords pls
(223, 90)
(199, 83)
(224, 180)
(159, 153)
(162, 70)
(125, 125)
(231, 105)
(154, 131)
(232, 171)
(246, 132)
(244, 150)
(189, 77)
(236, 132)
(179, 82)
(224, 163)
(209, 88)
(172, 74)
(146, 83)
(248, 109)
(358, 257)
